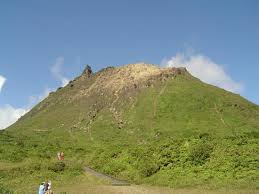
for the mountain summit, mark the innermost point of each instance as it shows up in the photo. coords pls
(107, 88)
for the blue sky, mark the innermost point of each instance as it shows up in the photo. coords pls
(39, 36)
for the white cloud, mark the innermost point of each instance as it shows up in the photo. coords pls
(2, 81)
(9, 115)
(56, 70)
(206, 70)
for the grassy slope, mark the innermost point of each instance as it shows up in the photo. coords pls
(183, 134)
(187, 135)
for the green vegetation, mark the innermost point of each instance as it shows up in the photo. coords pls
(179, 133)
(192, 162)
(3, 190)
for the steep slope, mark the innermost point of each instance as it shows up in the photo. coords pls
(92, 93)
(145, 124)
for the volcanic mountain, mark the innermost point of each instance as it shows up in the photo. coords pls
(146, 124)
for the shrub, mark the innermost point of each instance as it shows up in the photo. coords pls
(57, 167)
(148, 167)
(200, 152)
(145, 161)
(114, 167)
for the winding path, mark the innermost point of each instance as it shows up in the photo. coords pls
(92, 186)
(114, 181)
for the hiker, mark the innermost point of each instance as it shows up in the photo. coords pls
(46, 185)
(62, 156)
(41, 188)
(49, 191)
(59, 155)
(47, 188)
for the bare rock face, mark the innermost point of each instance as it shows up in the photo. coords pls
(118, 80)
(135, 75)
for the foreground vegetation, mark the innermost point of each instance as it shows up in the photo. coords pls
(201, 162)
(182, 134)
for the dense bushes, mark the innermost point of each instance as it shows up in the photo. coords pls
(200, 152)
(206, 161)
(198, 160)
(57, 167)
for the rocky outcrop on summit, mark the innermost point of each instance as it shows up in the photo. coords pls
(116, 80)
(87, 71)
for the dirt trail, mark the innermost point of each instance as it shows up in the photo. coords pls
(98, 183)
(114, 181)
(141, 189)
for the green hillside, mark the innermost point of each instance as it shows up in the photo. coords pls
(142, 123)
